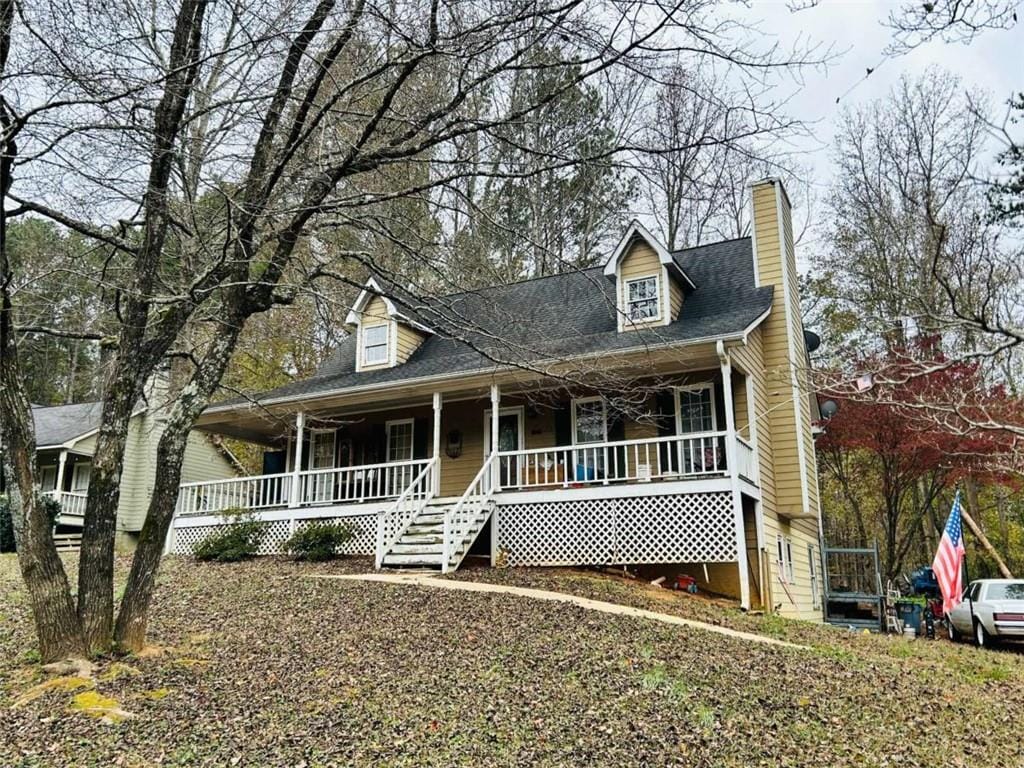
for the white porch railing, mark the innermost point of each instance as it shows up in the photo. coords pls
(367, 482)
(249, 493)
(659, 458)
(341, 485)
(391, 523)
(746, 460)
(460, 520)
(72, 503)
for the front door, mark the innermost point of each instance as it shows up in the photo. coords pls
(510, 438)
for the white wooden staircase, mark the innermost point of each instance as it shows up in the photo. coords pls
(422, 543)
(421, 531)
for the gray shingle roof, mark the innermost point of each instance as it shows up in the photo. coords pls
(553, 318)
(57, 424)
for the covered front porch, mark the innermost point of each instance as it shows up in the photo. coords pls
(64, 477)
(548, 475)
(546, 441)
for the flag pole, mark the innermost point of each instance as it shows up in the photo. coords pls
(967, 578)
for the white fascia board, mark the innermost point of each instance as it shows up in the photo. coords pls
(636, 229)
(372, 290)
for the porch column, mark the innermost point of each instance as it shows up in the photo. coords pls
(300, 429)
(495, 415)
(61, 464)
(725, 365)
(437, 443)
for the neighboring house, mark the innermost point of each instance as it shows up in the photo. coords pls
(66, 441)
(709, 467)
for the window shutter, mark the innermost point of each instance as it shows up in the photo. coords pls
(563, 423)
(666, 413)
(378, 444)
(307, 451)
(666, 401)
(616, 431)
(274, 462)
(421, 433)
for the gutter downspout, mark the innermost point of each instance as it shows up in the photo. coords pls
(734, 477)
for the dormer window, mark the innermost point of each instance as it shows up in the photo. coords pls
(642, 302)
(375, 344)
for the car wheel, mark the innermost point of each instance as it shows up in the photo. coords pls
(981, 635)
(954, 636)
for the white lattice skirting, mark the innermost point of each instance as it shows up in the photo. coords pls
(684, 528)
(364, 528)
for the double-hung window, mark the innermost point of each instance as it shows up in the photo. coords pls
(785, 561)
(400, 448)
(642, 299)
(375, 344)
(589, 425)
(695, 406)
(321, 456)
(812, 561)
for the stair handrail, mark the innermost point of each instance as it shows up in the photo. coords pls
(457, 517)
(399, 515)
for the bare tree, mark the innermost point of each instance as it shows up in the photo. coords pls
(697, 191)
(916, 23)
(210, 148)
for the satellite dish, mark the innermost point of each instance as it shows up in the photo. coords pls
(812, 340)
(828, 409)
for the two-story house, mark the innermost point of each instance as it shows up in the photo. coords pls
(652, 410)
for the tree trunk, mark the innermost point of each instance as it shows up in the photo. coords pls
(57, 625)
(136, 357)
(132, 620)
(96, 562)
(985, 543)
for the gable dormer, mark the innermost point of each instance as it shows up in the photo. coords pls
(649, 284)
(384, 336)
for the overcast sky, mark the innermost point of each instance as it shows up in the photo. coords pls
(993, 63)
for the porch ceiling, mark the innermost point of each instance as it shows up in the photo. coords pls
(268, 423)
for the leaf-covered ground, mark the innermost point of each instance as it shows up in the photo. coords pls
(260, 666)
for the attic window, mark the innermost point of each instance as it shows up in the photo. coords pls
(642, 299)
(375, 344)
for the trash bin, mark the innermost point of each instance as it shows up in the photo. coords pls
(910, 613)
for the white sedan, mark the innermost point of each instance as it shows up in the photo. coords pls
(991, 609)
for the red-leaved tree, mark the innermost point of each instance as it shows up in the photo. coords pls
(890, 459)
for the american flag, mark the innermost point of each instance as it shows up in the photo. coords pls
(949, 560)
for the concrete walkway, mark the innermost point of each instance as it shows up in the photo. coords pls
(426, 580)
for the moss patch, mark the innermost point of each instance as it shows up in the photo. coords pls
(65, 684)
(96, 705)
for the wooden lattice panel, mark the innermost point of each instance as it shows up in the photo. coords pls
(684, 528)
(364, 533)
(364, 528)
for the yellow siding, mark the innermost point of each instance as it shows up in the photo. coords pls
(642, 261)
(785, 423)
(468, 418)
(403, 340)
(675, 298)
(408, 340)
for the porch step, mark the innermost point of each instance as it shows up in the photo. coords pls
(425, 537)
(421, 545)
(413, 561)
(406, 548)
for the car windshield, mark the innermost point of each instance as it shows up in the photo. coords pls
(1012, 591)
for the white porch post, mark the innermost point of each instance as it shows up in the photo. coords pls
(300, 429)
(495, 415)
(734, 477)
(437, 443)
(61, 464)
